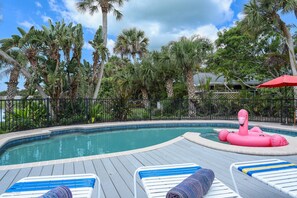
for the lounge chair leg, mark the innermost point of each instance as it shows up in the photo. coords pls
(233, 179)
(135, 183)
(99, 186)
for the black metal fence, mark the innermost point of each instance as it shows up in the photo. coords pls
(36, 113)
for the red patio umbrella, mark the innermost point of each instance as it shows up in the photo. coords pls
(281, 81)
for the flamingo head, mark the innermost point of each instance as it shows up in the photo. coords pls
(242, 116)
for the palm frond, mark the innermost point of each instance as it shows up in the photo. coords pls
(117, 14)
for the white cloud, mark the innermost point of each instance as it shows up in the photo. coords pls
(162, 21)
(87, 46)
(1, 17)
(70, 14)
(38, 4)
(46, 18)
(241, 16)
(209, 31)
(110, 45)
(26, 24)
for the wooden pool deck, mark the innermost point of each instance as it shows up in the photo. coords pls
(116, 173)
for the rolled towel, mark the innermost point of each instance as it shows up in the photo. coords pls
(58, 192)
(196, 185)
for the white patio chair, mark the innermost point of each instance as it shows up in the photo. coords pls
(80, 185)
(158, 180)
(278, 174)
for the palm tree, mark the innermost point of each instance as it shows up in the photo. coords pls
(28, 45)
(188, 54)
(76, 42)
(122, 80)
(133, 42)
(106, 6)
(264, 14)
(142, 78)
(100, 55)
(167, 70)
(23, 48)
(9, 60)
(55, 39)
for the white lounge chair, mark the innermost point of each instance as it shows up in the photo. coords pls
(158, 180)
(278, 174)
(80, 185)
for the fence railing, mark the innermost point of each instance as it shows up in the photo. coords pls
(36, 113)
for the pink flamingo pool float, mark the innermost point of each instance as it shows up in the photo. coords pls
(254, 137)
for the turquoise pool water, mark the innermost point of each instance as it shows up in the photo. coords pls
(85, 144)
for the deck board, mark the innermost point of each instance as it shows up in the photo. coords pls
(89, 168)
(58, 169)
(8, 179)
(130, 167)
(2, 173)
(24, 172)
(117, 180)
(107, 185)
(47, 170)
(79, 168)
(116, 173)
(35, 171)
(68, 168)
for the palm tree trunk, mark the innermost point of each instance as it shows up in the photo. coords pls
(104, 34)
(290, 45)
(191, 92)
(145, 97)
(169, 88)
(12, 89)
(104, 25)
(99, 81)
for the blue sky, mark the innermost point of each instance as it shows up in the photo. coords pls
(162, 20)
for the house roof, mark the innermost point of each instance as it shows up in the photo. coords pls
(201, 78)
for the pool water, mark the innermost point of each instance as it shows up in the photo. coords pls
(85, 144)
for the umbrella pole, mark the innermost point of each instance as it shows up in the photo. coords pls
(286, 104)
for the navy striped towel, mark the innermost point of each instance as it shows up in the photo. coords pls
(58, 192)
(196, 185)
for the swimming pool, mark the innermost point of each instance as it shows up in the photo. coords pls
(72, 143)
(86, 144)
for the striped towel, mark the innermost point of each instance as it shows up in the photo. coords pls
(259, 168)
(196, 185)
(58, 192)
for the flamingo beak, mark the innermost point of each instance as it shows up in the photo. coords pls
(241, 120)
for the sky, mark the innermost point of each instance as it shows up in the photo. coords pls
(161, 20)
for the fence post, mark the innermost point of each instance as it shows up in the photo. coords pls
(150, 109)
(47, 111)
(210, 108)
(180, 106)
(87, 109)
(281, 110)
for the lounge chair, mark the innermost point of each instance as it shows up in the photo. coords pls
(80, 185)
(278, 174)
(158, 180)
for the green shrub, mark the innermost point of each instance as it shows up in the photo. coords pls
(139, 114)
(32, 115)
(121, 108)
